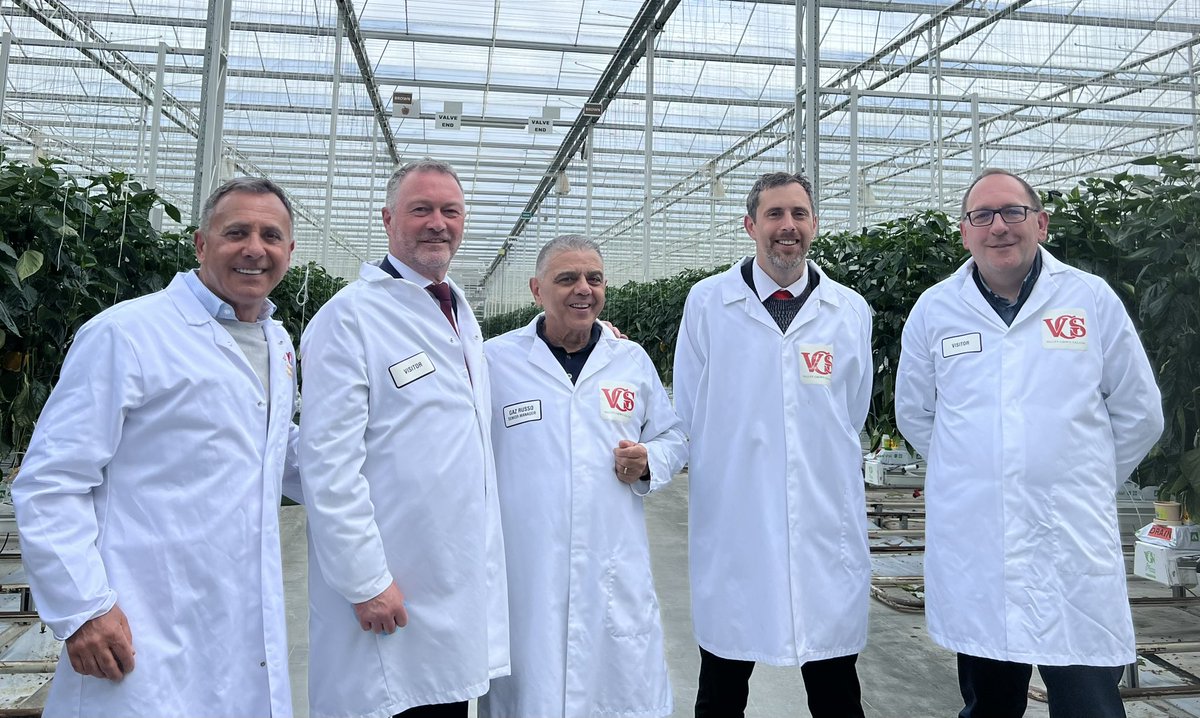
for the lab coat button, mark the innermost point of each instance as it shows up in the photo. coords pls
(263, 664)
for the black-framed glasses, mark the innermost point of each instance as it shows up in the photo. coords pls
(1013, 214)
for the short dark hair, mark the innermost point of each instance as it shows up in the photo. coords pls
(564, 243)
(771, 180)
(249, 185)
(1034, 200)
(427, 164)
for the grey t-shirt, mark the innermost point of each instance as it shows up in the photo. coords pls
(252, 339)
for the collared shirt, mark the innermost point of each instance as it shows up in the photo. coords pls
(217, 307)
(572, 362)
(765, 286)
(783, 311)
(408, 272)
(1008, 310)
(399, 270)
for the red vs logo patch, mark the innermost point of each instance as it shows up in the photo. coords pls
(816, 363)
(617, 400)
(1064, 329)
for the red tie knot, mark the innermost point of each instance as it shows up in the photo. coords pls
(782, 294)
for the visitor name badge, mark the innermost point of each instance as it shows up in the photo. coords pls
(1065, 329)
(522, 412)
(971, 343)
(617, 400)
(406, 371)
(816, 363)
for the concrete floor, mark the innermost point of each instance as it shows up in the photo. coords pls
(903, 674)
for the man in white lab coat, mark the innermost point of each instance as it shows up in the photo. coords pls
(583, 430)
(1023, 382)
(772, 381)
(399, 478)
(148, 501)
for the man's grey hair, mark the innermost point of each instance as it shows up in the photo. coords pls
(249, 185)
(564, 243)
(771, 180)
(427, 164)
(1034, 200)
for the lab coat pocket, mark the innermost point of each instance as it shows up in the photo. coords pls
(1086, 539)
(629, 591)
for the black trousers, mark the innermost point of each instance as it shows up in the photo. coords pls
(831, 684)
(439, 710)
(1000, 689)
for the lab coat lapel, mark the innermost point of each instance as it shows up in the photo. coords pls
(195, 315)
(734, 290)
(1043, 289)
(973, 298)
(600, 357)
(539, 354)
(823, 292)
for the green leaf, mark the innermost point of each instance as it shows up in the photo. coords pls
(7, 319)
(10, 270)
(30, 262)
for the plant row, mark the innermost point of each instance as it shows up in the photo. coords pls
(70, 248)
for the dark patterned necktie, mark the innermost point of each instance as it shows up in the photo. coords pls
(441, 292)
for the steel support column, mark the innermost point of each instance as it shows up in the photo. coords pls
(212, 104)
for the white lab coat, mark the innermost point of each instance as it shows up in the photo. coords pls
(1027, 437)
(399, 483)
(778, 536)
(153, 482)
(586, 636)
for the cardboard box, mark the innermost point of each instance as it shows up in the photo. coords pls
(873, 472)
(1170, 567)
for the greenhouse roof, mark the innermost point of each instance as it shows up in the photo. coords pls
(914, 97)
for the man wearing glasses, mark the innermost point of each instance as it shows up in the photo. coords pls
(1024, 384)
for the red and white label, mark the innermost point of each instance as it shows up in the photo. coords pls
(1159, 531)
(618, 400)
(1065, 329)
(816, 363)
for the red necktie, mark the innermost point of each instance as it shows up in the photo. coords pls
(441, 292)
(782, 294)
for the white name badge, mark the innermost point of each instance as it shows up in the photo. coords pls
(618, 400)
(962, 344)
(406, 371)
(1065, 329)
(816, 363)
(522, 412)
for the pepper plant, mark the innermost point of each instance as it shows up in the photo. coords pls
(1141, 232)
(68, 249)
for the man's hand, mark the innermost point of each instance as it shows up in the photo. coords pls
(631, 459)
(384, 613)
(612, 328)
(102, 647)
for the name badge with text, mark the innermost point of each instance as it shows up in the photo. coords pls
(522, 412)
(406, 371)
(962, 344)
